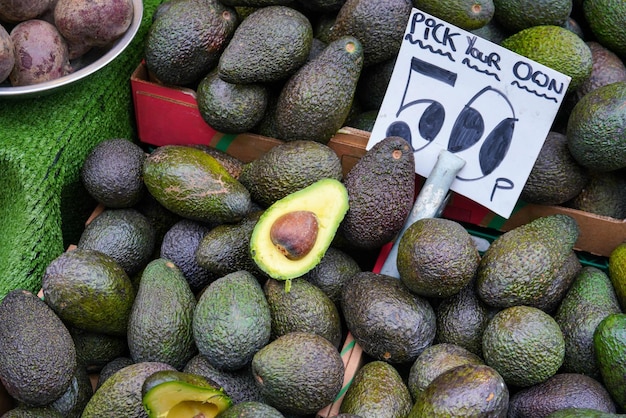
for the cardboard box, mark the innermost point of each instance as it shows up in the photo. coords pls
(169, 115)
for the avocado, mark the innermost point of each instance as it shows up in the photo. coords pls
(89, 290)
(95, 349)
(617, 272)
(607, 68)
(379, 26)
(437, 257)
(75, 398)
(521, 264)
(161, 218)
(226, 248)
(269, 45)
(587, 302)
(180, 244)
(111, 367)
(251, 409)
(466, 14)
(556, 176)
(377, 389)
(321, 6)
(257, 3)
(194, 185)
(37, 354)
(314, 102)
(332, 272)
(232, 320)
(293, 234)
(555, 47)
(298, 373)
(386, 319)
(185, 40)
(126, 235)
(381, 191)
(363, 121)
(373, 82)
(228, 107)
(231, 163)
(435, 360)
(120, 395)
(304, 308)
(492, 31)
(160, 322)
(111, 173)
(606, 22)
(524, 344)
(582, 413)
(25, 411)
(288, 167)
(238, 384)
(466, 390)
(551, 298)
(604, 195)
(516, 15)
(563, 390)
(594, 130)
(461, 320)
(170, 393)
(608, 342)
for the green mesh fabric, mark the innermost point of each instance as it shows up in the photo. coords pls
(43, 143)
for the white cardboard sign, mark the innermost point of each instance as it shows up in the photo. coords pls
(451, 89)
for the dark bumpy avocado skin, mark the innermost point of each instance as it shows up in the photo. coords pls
(563, 390)
(187, 38)
(608, 341)
(381, 189)
(37, 353)
(388, 321)
(315, 101)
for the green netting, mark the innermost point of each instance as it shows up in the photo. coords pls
(43, 142)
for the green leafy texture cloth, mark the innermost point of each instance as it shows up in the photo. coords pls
(43, 143)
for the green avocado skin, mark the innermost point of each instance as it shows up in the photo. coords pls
(608, 340)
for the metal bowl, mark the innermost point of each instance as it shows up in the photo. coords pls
(94, 60)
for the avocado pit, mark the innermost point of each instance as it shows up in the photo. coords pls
(294, 233)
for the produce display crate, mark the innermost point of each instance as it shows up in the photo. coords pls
(170, 115)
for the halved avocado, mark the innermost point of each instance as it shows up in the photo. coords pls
(174, 394)
(293, 234)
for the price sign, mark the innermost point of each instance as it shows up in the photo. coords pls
(453, 90)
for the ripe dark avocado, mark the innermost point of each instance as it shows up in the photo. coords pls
(194, 185)
(298, 373)
(332, 272)
(378, 25)
(89, 290)
(75, 398)
(563, 390)
(588, 301)
(95, 349)
(251, 409)
(304, 308)
(556, 176)
(604, 195)
(607, 68)
(315, 101)
(388, 321)
(185, 40)
(377, 389)
(381, 189)
(232, 321)
(226, 248)
(288, 167)
(466, 390)
(269, 45)
(111, 173)
(37, 354)
(25, 411)
(160, 322)
(293, 234)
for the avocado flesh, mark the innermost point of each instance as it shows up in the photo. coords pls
(178, 399)
(328, 200)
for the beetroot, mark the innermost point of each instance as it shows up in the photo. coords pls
(13, 11)
(41, 53)
(7, 56)
(92, 22)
